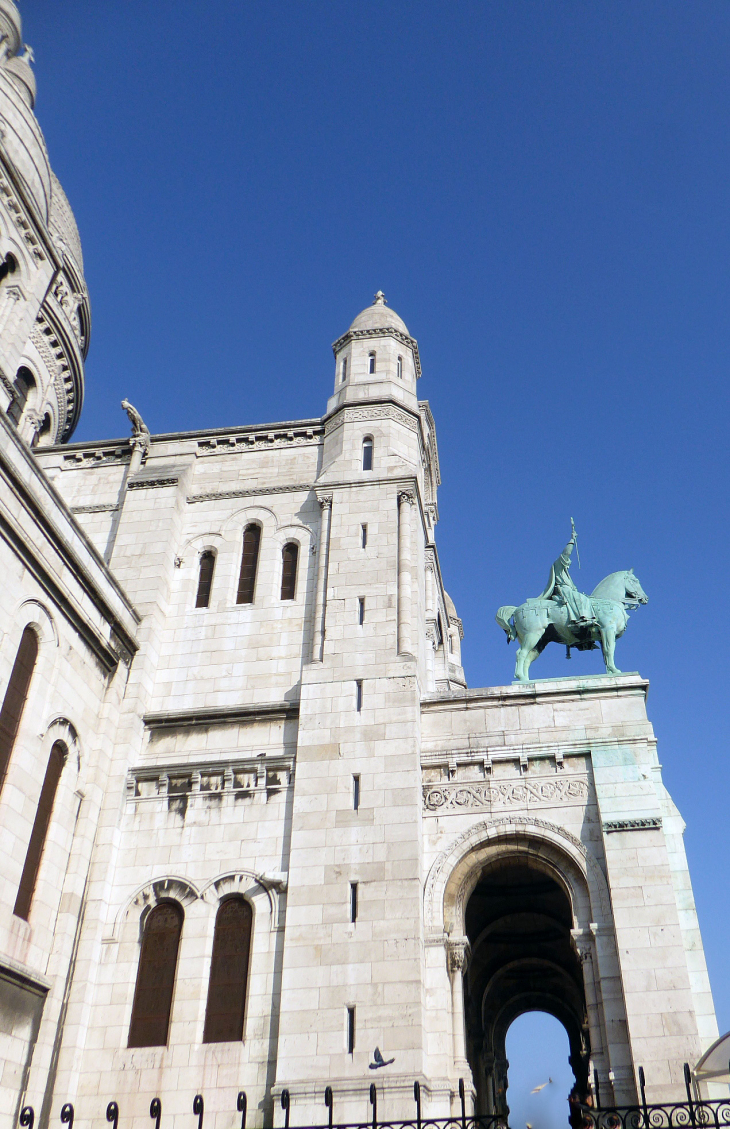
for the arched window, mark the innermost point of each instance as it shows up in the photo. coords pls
(249, 563)
(8, 265)
(399, 368)
(156, 977)
(23, 385)
(228, 972)
(371, 362)
(367, 453)
(205, 578)
(289, 558)
(15, 697)
(343, 371)
(38, 835)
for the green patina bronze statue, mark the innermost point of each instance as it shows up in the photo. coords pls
(562, 614)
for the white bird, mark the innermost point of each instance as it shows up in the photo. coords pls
(541, 1087)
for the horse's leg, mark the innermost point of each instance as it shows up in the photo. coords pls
(527, 653)
(608, 644)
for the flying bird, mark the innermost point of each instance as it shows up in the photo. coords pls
(379, 1060)
(541, 1086)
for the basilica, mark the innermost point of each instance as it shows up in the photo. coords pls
(259, 836)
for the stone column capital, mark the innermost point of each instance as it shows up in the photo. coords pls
(325, 501)
(406, 497)
(458, 952)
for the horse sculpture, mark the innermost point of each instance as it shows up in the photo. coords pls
(539, 622)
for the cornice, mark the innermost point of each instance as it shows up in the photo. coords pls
(222, 715)
(382, 331)
(520, 693)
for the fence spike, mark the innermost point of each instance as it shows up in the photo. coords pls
(27, 1116)
(112, 1113)
(241, 1103)
(285, 1103)
(417, 1100)
(374, 1104)
(462, 1099)
(199, 1109)
(67, 1115)
(328, 1103)
(156, 1111)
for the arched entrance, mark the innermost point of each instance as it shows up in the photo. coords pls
(518, 921)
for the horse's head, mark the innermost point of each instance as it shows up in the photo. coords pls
(634, 593)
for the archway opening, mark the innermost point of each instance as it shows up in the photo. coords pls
(540, 1075)
(518, 922)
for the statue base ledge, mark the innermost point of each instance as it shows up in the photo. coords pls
(577, 678)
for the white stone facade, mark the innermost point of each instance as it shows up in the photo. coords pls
(423, 862)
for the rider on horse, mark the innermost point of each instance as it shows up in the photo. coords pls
(562, 590)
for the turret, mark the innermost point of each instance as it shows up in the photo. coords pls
(376, 359)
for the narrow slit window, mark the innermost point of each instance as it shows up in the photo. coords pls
(289, 558)
(439, 632)
(156, 977)
(353, 901)
(399, 368)
(205, 579)
(249, 564)
(367, 453)
(371, 362)
(16, 696)
(358, 695)
(363, 536)
(350, 1030)
(361, 610)
(226, 1005)
(356, 793)
(343, 371)
(39, 833)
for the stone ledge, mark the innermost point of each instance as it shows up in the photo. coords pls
(588, 686)
(221, 715)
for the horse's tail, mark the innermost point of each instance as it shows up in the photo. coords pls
(504, 619)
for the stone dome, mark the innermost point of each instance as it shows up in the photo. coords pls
(63, 224)
(378, 316)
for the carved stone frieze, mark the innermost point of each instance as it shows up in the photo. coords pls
(255, 492)
(650, 823)
(489, 795)
(366, 414)
(233, 444)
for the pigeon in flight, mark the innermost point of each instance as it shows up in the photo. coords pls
(541, 1086)
(379, 1060)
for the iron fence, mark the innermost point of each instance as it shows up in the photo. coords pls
(693, 1113)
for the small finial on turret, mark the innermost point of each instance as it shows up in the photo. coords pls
(380, 299)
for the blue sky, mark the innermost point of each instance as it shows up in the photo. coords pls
(541, 190)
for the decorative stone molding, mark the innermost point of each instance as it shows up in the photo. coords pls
(447, 884)
(366, 414)
(97, 508)
(650, 823)
(381, 331)
(96, 455)
(152, 483)
(255, 492)
(233, 444)
(21, 220)
(443, 799)
(246, 778)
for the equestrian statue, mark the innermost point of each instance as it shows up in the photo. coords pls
(562, 614)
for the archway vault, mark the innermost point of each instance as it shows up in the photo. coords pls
(514, 894)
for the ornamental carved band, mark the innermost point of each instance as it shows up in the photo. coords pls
(446, 798)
